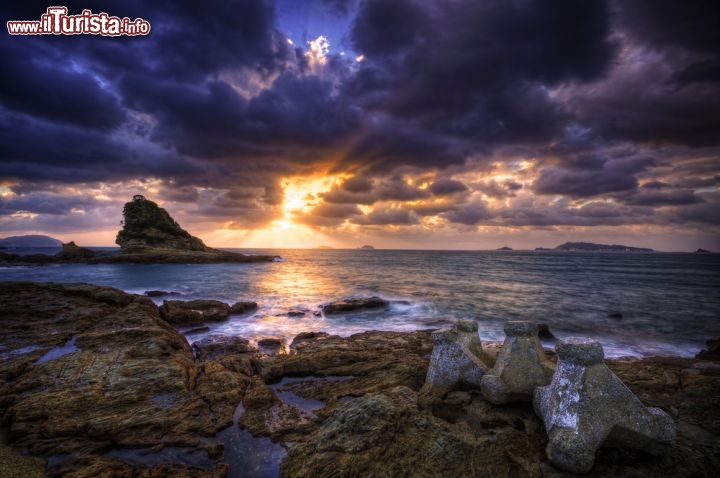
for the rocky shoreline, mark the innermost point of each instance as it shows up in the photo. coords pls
(95, 382)
(72, 254)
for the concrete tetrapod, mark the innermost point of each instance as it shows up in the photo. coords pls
(587, 406)
(455, 360)
(520, 367)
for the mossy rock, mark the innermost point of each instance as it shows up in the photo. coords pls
(148, 226)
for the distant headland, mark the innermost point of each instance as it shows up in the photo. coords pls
(30, 241)
(589, 246)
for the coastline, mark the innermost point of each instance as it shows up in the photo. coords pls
(78, 255)
(151, 390)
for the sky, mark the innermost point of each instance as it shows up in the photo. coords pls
(415, 124)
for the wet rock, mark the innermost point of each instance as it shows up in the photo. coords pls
(243, 307)
(267, 415)
(365, 422)
(456, 360)
(354, 305)
(15, 465)
(271, 345)
(179, 312)
(615, 315)
(133, 382)
(587, 406)
(520, 367)
(159, 293)
(195, 330)
(100, 467)
(712, 352)
(295, 313)
(369, 361)
(73, 253)
(305, 337)
(544, 332)
(216, 346)
(462, 435)
(385, 434)
(107, 295)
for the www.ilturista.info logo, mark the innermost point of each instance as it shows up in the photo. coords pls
(56, 21)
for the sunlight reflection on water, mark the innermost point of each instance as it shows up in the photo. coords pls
(669, 302)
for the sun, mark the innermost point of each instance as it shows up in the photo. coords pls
(302, 193)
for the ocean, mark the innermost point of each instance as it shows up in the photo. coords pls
(669, 302)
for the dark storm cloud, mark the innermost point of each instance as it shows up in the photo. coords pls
(44, 203)
(445, 186)
(217, 104)
(474, 69)
(668, 89)
(213, 120)
(357, 184)
(60, 93)
(691, 24)
(33, 86)
(592, 214)
(384, 28)
(364, 191)
(387, 217)
(655, 185)
(617, 174)
(388, 144)
(704, 213)
(35, 151)
(330, 214)
(660, 198)
(497, 189)
(340, 7)
(177, 193)
(470, 214)
(698, 182)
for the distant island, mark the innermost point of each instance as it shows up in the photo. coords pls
(367, 247)
(32, 240)
(324, 248)
(149, 236)
(589, 246)
(703, 251)
(504, 248)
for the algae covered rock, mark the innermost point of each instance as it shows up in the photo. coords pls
(72, 252)
(355, 304)
(148, 226)
(180, 312)
(129, 380)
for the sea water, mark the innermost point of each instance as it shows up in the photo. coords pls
(669, 302)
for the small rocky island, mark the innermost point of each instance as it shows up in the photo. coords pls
(149, 236)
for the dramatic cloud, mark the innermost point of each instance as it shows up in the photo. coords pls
(402, 118)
